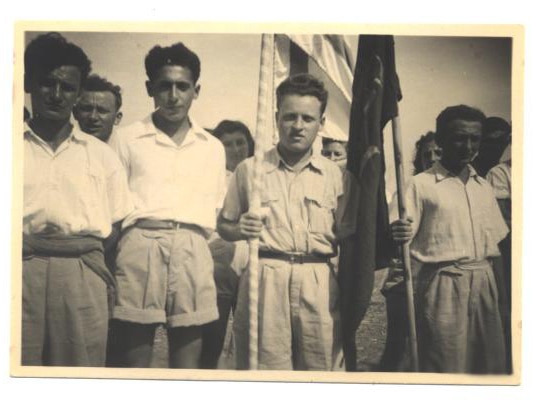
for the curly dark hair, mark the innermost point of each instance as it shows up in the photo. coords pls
(459, 112)
(96, 83)
(303, 85)
(50, 51)
(177, 54)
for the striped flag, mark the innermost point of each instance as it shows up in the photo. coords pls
(329, 58)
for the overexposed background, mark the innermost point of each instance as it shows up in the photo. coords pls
(435, 72)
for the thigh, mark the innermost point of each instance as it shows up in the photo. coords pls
(191, 292)
(314, 299)
(274, 325)
(34, 282)
(443, 317)
(141, 275)
(77, 314)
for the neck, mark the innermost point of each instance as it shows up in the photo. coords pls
(171, 128)
(51, 131)
(462, 171)
(294, 159)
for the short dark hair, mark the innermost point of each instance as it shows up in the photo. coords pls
(459, 112)
(303, 85)
(492, 124)
(419, 145)
(177, 54)
(96, 83)
(229, 126)
(50, 51)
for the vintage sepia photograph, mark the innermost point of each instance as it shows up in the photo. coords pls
(327, 203)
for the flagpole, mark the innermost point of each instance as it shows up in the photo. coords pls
(267, 48)
(396, 134)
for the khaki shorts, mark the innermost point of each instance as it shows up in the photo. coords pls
(299, 321)
(165, 275)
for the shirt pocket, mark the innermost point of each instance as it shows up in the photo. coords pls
(320, 208)
(272, 200)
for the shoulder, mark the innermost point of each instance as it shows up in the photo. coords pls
(130, 131)
(100, 152)
(329, 167)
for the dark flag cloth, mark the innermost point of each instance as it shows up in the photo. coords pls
(363, 222)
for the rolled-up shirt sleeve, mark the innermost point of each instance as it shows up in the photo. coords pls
(236, 200)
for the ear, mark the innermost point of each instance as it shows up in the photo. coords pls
(118, 118)
(197, 91)
(322, 121)
(149, 88)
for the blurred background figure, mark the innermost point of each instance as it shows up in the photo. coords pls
(335, 150)
(98, 108)
(427, 152)
(230, 258)
(500, 179)
(496, 136)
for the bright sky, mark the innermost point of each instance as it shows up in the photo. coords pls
(434, 72)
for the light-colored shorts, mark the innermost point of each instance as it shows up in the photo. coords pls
(165, 275)
(64, 313)
(299, 321)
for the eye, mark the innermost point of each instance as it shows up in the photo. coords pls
(183, 86)
(308, 118)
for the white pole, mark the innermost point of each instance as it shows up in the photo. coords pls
(267, 50)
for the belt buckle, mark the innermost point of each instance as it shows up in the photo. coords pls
(296, 258)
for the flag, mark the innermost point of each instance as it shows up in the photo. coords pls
(362, 217)
(330, 59)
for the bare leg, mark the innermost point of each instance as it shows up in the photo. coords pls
(138, 342)
(185, 347)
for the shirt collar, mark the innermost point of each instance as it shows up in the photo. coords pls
(442, 173)
(150, 129)
(273, 160)
(76, 134)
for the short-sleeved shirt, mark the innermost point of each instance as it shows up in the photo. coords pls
(453, 221)
(184, 183)
(80, 188)
(301, 203)
(500, 179)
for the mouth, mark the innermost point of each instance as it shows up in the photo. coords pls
(93, 129)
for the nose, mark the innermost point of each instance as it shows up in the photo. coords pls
(94, 114)
(173, 93)
(57, 92)
(299, 123)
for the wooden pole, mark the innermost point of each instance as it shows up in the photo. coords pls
(265, 68)
(396, 134)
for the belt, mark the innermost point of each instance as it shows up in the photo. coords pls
(146, 223)
(465, 265)
(294, 258)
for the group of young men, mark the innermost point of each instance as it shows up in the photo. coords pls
(137, 229)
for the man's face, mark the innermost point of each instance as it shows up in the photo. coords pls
(299, 119)
(173, 91)
(54, 94)
(97, 113)
(236, 147)
(460, 143)
(431, 152)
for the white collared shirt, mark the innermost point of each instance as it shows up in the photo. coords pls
(80, 188)
(184, 183)
(453, 221)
